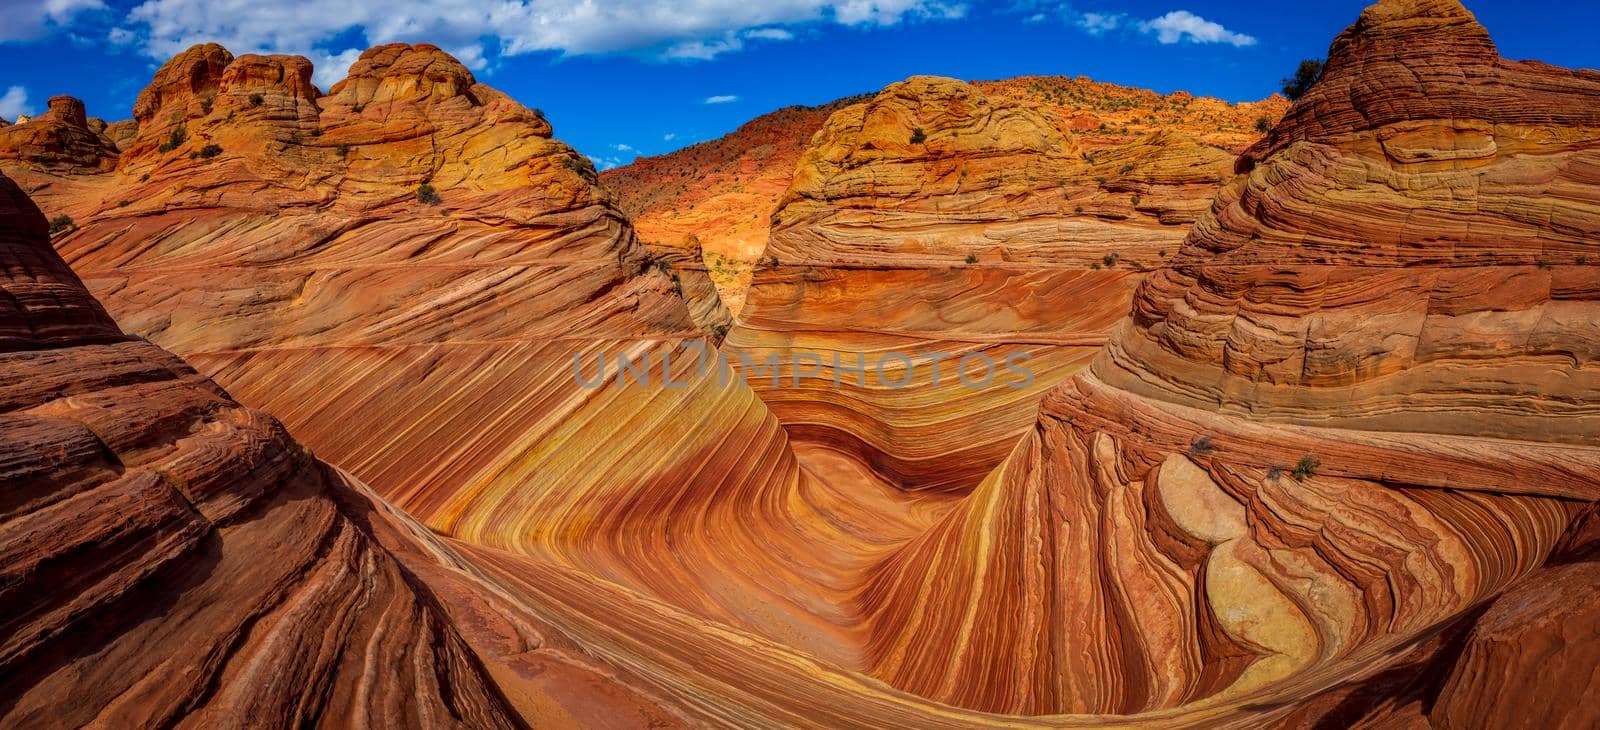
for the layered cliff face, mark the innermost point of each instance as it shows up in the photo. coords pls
(378, 266)
(720, 194)
(933, 220)
(1357, 405)
(169, 557)
(1177, 540)
(60, 140)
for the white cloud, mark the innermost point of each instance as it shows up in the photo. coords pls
(14, 102)
(1099, 23)
(120, 36)
(604, 163)
(703, 50)
(1180, 25)
(473, 29)
(1174, 27)
(769, 34)
(623, 148)
(721, 99)
(328, 69)
(669, 136)
(22, 20)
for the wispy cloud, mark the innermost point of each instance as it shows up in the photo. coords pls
(1182, 25)
(669, 136)
(769, 34)
(1177, 26)
(14, 102)
(22, 20)
(1100, 23)
(721, 99)
(476, 31)
(605, 163)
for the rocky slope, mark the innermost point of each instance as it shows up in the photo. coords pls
(1184, 534)
(171, 558)
(414, 237)
(934, 219)
(1357, 405)
(721, 194)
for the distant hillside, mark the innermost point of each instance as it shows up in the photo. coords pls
(721, 193)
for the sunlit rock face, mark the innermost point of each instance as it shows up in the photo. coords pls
(169, 557)
(934, 220)
(379, 266)
(719, 195)
(59, 140)
(1330, 462)
(1359, 402)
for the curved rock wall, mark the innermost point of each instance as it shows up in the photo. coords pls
(933, 220)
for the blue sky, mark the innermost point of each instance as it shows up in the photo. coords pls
(620, 78)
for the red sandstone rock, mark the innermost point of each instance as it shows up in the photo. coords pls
(168, 557)
(1156, 543)
(59, 141)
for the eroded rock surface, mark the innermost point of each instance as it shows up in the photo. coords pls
(1330, 468)
(171, 558)
(933, 220)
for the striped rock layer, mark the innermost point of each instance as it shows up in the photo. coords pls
(1188, 535)
(385, 267)
(1356, 406)
(935, 220)
(171, 558)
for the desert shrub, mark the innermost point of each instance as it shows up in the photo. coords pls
(1263, 124)
(343, 151)
(1305, 76)
(426, 195)
(1201, 445)
(1306, 467)
(209, 151)
(972, 258)
(175, 139)
(1110, 259)
(61, 223)
(917, 136)
(257, 100)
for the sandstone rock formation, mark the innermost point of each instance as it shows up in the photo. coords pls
(932, 219)
(718, 196)
(721, 193)
(1358, 404)
(411, 222)
(170, 558)
(58, 141)
(1337, 465)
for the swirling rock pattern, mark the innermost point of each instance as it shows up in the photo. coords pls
(933, 219)
(720, 194)
(1336, 467)
(285, 242)
(1319, 437)
(171, 558)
